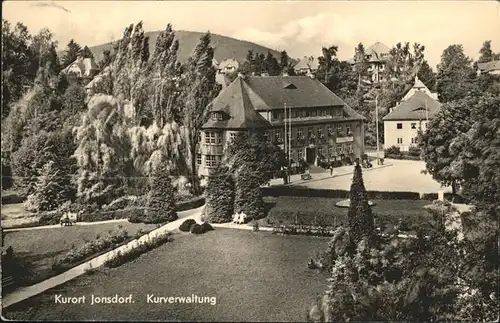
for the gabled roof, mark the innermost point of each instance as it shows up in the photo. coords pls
(307, 63)
(229, 62)
(234, 101)
(86, 65)
(418, 107)
(246, 96)
(489, 66)
(378, 51)
(418, 84)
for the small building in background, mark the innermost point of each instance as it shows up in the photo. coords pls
(82, 69)
(492, 67)
(403, 123)
(228, 66)
(419, 86)
(308, 65)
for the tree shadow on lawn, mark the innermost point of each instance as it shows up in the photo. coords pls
(34, 267)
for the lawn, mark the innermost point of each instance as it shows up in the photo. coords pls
(255, 276)
(39, 248)
(14, 215)
(321, 211)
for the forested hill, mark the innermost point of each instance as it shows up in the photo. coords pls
(225, 47)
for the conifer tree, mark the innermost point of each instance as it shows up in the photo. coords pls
(248, 196)
(360, 216)
(220, 196)
(161, 198)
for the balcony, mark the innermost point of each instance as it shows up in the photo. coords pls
(211, 149)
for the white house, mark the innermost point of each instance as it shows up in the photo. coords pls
(306, 66)
(229, 65)
(82, 68)
(402, 124)
(419, 86)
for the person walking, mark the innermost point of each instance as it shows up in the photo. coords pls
(331, 170)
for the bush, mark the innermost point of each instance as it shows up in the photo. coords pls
(393, 150)
(191, 203)
(414, 151)
(301, 191)
(186, 225)
(196, 229)
(206, 227)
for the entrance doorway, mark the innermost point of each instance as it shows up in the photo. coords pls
(310, 155)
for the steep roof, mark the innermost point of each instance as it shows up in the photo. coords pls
(307, 63)
(239, 110)
(414, 108)
(229, 62)
(307, 92)
(85, 65)
(489, 66)
(379, 51)
(246, 96)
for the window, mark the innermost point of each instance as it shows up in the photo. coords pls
(309, 132)
(349, 148)
(399, 125)
(300, 154)
(414, 140)
(210, 137)
(295, 114)
(320, 132)
(213, 138)
(313, 113)
(266, 136)
(413, 125)
(331, 151)
(300, 134)
(277, 136)
(400, 141)
(323, 112)
(211, 161)
(320, 151)
(340, 150)
(198, 159)
(232, 136)
(216, 116)
(340, 131)
(330, 130)
(275, 115)
(348, 131)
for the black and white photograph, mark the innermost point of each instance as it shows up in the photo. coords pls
(250, 161)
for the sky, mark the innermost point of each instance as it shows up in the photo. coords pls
(299, 27)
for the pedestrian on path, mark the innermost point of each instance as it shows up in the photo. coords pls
(331, 170)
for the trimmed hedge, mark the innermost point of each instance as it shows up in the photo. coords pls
(301, 191)
(192, 203)
(403, 157)
(11, 199)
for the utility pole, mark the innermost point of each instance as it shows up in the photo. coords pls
(285, 145)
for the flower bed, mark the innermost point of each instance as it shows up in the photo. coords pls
(92, 249)
(135, 251)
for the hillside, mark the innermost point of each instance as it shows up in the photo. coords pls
(225, 47)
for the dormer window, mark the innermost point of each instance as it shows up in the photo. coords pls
(216, 116)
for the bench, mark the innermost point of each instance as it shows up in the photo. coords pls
(305, 176)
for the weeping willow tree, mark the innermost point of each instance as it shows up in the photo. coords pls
(103, 150)
(151, 145)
